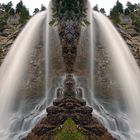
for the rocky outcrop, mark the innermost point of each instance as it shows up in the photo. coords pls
(7, 37)
(125, 19)
(69, 105)
(132, 38)
(106, 83)
(13, 19)
(69, 108)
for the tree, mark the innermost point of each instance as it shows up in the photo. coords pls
(43, 8)
(116, 11)
(102, 10)
(119, 7)
(19, 7)
(114, 14)
(7, 7)
(126, 11)
(96, 7)
(137, 24)
(36, 10)
(131, 7)
(22, 11)
(3, 6)
(12, 11)
(2, 22)
(24, 15)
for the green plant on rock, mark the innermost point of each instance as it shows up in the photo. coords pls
(7, 7)
(114, 14)
(2, 22)
(131, 7)
(96, 8)
(69, 131)
(116, 11)
(119, 7)
(137, 24)
(102, 10)
(24, 15)
(36, 10)
(72, 10)
(43, 8)
(22, 11)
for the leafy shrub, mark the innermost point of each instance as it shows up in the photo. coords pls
(23, 11)
(2, 22)
(137, 24)
(115, 12)
(69, 131)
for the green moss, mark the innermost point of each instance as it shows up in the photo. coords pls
(69, 131)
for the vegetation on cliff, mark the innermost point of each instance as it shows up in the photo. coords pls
(69, 11)
(69, 131)
(7, 10)
(131, 10)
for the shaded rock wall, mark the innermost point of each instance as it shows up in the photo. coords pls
(7, 37)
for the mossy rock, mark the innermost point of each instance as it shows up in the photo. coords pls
(69, 131)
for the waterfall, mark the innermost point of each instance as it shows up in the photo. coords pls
(105, 69)
(127, 74)
(13, 71)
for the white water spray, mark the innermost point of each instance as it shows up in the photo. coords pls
(126, 71)
(14, 67)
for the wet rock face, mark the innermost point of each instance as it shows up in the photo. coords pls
(7, 37)
(69, 33)
(76, 110)
(69, 107)
(132, 38)
(69, 16)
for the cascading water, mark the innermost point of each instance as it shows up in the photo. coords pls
(13, 71)
(126, 73)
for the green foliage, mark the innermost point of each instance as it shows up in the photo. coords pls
(43, 8)
(24, 15)
(119, 7)
(131, 7)
(36, 10)
(115, 12)
(69, 131)
(69, 10)
(95, 8)
(19, 7)
(2, 7)
(12, 11)
(7, 7)
(126, 11)
(137, 24)
(2, 22)
(23, 11)
(102, 10)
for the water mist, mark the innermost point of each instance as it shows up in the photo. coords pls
(13, 69)
(125, 70)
